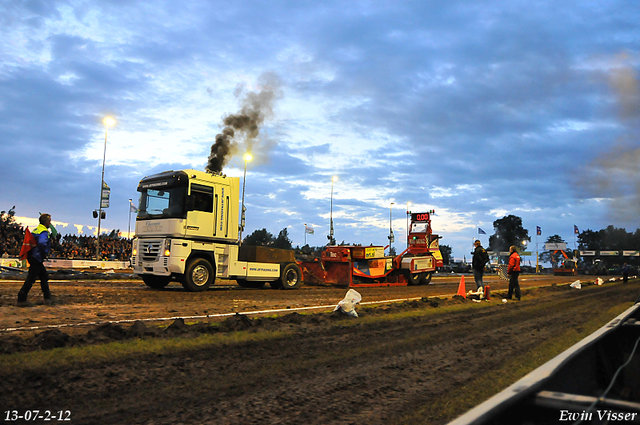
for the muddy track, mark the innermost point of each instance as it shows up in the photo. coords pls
(328, 370)
(102, 301)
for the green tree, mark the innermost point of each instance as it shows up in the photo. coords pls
(590, 240)
(11, 233)
(7, 219)
(446, 252)
(508, 232)
(610, 239)
(309, 251)
(259, 238)
(549, 256)
(283, 241)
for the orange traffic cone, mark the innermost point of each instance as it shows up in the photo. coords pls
(462, 288)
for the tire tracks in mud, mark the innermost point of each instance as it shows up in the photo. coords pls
(330, 373)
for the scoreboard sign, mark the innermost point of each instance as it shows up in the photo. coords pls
(555, 246)
(420, 217)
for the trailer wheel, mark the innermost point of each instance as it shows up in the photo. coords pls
(290, 276)
(156, 282)
(414, 278)
(425, 278)
(198, 276)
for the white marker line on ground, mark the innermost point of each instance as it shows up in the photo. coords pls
(208, 316)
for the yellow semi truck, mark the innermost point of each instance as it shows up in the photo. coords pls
(187, 230)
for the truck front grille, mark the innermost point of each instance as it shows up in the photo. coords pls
(150, 250)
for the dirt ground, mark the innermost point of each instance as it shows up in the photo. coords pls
(80, 299)
(329, 369)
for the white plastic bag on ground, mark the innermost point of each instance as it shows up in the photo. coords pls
(476, 295)
(348, 303)
(599, 281)
(576, 285)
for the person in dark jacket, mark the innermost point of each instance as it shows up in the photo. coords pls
(514, 271)
(36, 257)
(478, 261)
(625, 273)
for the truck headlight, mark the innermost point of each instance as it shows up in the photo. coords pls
(167, 247)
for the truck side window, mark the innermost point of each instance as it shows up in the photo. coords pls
(202, 198)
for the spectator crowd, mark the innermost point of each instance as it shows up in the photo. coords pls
(70, 247)
(73, 247)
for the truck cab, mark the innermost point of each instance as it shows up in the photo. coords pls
(187, 230)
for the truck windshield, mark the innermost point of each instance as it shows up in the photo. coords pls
(162, 203)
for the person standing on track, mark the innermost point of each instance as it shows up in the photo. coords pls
(514, 271)
(625, 273)
(478, 261)
(36, 257)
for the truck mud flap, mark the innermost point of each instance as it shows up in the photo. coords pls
(332, 274)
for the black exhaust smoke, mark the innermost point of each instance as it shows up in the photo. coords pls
(256, 107)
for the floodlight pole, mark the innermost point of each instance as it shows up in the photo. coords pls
(247, 158)
(104, 157)
(129, 228)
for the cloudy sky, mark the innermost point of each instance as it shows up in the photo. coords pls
(474, 109)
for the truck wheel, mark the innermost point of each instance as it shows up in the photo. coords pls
(198, 276)
(414, 278)
(290, 276)
(156, 282)
(425, 278)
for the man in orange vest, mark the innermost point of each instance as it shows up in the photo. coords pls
(513, 271)
(36, 257)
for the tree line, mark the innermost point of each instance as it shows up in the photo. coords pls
(262, 237)
(508, 231)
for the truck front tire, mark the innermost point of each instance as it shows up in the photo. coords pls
(156, 282)
(290, 276)
(198, 275)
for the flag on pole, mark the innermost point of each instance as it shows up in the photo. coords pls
(133, 207)
(481, 232)
(308, 229)
(28, 244)
(575, 229)
(538, 230)
(104, 197)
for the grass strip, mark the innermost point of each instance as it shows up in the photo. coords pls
(45, 360)
(447, 407)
